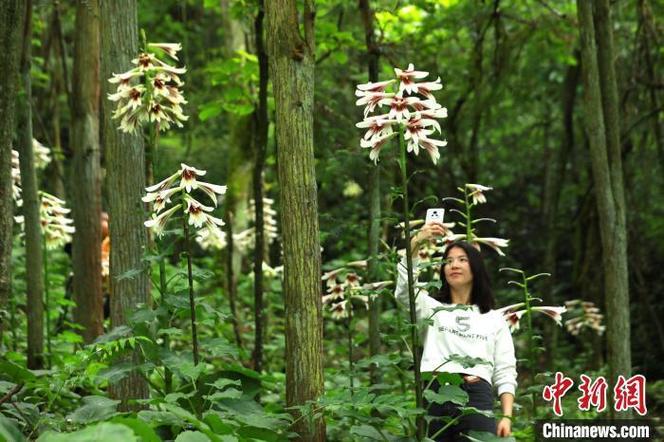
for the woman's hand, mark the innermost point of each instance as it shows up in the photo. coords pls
(504, 427)
(427, 233)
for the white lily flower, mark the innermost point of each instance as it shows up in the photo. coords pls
(406, 78)
(42, 154)
(371, 99)
(197, 212)
(425, 88)
(158, 223)
(171, 49)
(377, 126)
(188, 177)
(495, 243)
(477, 192)
(339, 310)
(56, 227)
(376, 144)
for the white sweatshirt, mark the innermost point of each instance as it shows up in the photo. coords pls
(462, 331)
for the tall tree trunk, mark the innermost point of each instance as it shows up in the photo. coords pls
(292, 71)
(262, 122)
(33, 237)
(554, 179)
(86, 176)
(125, 160)
(373, 53)
(10, 27)
(601, 115)
(617, 278)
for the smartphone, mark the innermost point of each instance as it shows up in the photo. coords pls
(435, 215)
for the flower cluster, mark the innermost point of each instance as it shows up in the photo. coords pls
(42, 156)
(474, 195)
(56, 226)
(16, 178)
(340, 291)
(585, 315)
(150, 92)
(182, 184)
(246, 239)
(414, 115)
(41, 153)
(513, 315)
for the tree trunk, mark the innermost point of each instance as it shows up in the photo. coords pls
(554, 179)
(125, 160)
(292, 71)
(33, 236)
(86, 176)
(617, 278)
(262, 122)
(10, 26)
(601, 114)
(373, 53)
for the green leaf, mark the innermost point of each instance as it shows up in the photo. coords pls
(102, 432)
(17, 373)
(192, 436)
(95, 408)
(447, 393)
(222, 383)
(366, 432)
(140, 428)
(8, 430)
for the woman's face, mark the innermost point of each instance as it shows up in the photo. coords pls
(457, 268)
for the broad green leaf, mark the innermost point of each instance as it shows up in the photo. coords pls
(192, 436)
(141, 429)
(9, 432)
(102, 432)
(95, 408)
(446, 393)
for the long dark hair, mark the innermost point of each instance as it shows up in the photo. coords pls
(481, 294)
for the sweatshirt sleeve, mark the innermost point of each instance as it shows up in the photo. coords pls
(504, 370)
(423, 308)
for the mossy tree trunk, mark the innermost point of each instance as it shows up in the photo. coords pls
(86, 175)
(10, 27)
(292, 72)
(125, 171)
(602, 127)
(33, 236)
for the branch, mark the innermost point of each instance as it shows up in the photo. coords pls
(15, 389)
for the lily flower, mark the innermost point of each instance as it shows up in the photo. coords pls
(477, 192)
(56, 226)
(425, 88)
(188, 176)
(376, 144)
(158, 222)
(377, 126)
(171, 49)
(371, 99)
(495, 243)
(512, 314)
(339, 310)
(42, 155)
(406, 78)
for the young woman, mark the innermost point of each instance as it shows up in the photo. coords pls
(472, 329)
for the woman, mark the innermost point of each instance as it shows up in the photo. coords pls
(472, 329)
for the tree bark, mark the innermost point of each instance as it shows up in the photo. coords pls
(601, 115)
(261, 119)
(10, 26)
(617, 277)
(125, 160)
(373, 55)
(292, 71)
(33, 234)
(86, 176)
